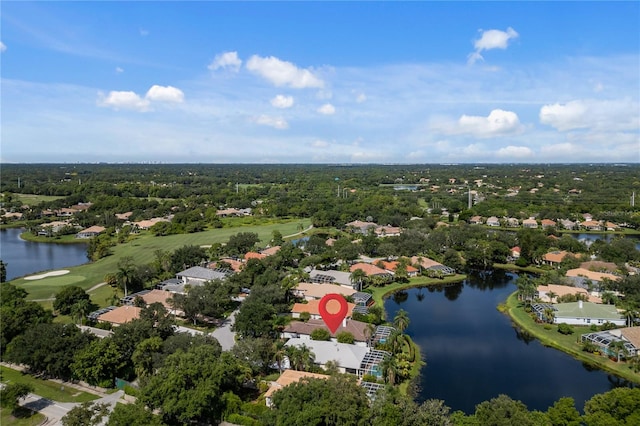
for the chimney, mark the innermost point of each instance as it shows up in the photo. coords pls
(580, 304)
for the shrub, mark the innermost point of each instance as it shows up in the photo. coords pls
(345, 337)
(305, 316)
(320, 334)
(565, 328)
(239, 419)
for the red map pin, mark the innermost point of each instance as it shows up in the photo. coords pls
(334, 316)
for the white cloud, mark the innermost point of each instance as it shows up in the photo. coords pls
(327, 109)
(518, 152)
(606, 115)
(282, 73)
(144, 32)
(361, 98)
(281, 101)
(498, 123)
(123, 100)
(320, 144)
(491, 39)
(3, 47)
(165, 94)
(275, 122)
(119, 70)
(228, 60)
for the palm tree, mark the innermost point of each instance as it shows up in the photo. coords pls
(81, 309)
(126, 273)
(279, 353)
(549, 315)
(369, 330)
(389, 367)
(358, 277)
(551, 295)
(619, 349)
(630, 313)
(401, 320)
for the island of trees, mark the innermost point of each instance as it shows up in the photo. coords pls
(179, 251)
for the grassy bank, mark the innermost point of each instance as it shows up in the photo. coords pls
(566, 343)
(380, 293)
(63, 239)
(142, 248)
(46, 388)
(21, 417)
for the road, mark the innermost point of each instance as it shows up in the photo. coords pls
(225, 336)
(55, 411)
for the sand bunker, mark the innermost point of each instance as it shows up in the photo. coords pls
(47, 274)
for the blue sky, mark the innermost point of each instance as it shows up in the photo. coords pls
(317, 82)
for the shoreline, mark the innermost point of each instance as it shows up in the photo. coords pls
(622, 370)
(410, 386)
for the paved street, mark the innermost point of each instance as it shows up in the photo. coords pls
(55, 411)
(225, 336)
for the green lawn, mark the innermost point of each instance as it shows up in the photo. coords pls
(566, 343)
(380, 293)
(32, 200)
(21, 417)
(141, 248)
(46, 388)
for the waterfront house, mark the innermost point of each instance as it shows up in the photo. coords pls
(312, 307)
(91, 232)
(586, 313)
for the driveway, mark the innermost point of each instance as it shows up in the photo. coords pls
(55, 411)
(225, 336)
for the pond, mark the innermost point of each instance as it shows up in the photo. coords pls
(474, 353)
(25, 257)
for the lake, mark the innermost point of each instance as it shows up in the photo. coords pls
(473, 352)
(25, 257)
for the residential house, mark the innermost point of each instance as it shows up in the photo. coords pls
(600, 266)
(610, 226)
(547, 223)
(123, 216)
(629, 336)
(311, 291)
(303, 330)
(372, 271)
(360, 227)
(234, 264)
(253, 255)
(392, 266)
(66, 212)
(593, 276)
(515, 252)
(493, 221)
(554, 258)
(312, 307)
(431, 265)
(331, 276)
(91, 232)
(143, 225)
(120, 315)
(475, 220)
(591, 225)
(512, 222)
(387, 231)
(530, 223)
(352, 359)
(270, 251)
(556, 290)
(197, 275)
(586, 313)
(12, 215)
(568, 224)
(286, 378)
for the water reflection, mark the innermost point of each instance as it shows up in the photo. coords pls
(474, 353)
